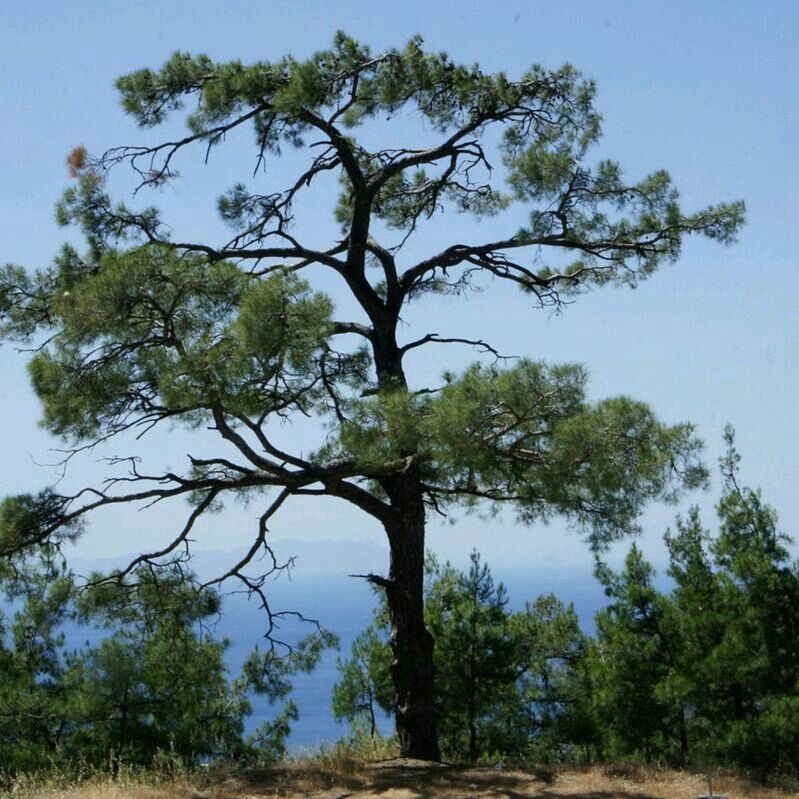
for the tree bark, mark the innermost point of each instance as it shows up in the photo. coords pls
(412, 670)
(683, 737)
(372, 720)
(123, 730)
(472, 703)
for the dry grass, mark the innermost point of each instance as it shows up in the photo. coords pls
(108, 789)
(332, 776)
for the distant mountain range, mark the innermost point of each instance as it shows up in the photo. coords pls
(321, 584)
(311, 558)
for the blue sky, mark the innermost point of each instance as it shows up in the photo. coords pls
(707, 90)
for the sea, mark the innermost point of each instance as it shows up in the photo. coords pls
(344, 604)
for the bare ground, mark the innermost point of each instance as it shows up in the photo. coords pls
(402, 779)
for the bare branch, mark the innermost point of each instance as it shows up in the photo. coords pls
(479, 344)
(155, 175)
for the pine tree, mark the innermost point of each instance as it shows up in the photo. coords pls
(505, 681)
(470, 623)
(157, 683)
(144, 330)
(631, 658)
(364, 689)
(551, 654)
(710, 673)
(33, 699)
(757, 660)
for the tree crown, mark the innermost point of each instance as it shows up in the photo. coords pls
(143, 329)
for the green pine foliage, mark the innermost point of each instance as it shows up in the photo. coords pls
(505, 681)
(708, 673)
(631, 653)
(703, 674)
(156, 683)
(364, 691)
(468, 617)
(142, 329)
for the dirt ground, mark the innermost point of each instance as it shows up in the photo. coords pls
(414, 780)
(396, 779)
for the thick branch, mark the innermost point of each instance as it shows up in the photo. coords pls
(343, 147)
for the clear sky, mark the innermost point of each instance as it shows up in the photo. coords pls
(707, 90)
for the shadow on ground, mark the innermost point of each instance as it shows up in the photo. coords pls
(418, 780)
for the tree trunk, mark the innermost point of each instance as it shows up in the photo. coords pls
(412, 670)
(472, 704)
(683, 737)
(123, 731)
(372, 720)
(737, 701)
(472, 740)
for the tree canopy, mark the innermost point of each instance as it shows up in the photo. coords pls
(142, 329)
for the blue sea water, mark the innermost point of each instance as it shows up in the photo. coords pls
(344, 605)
